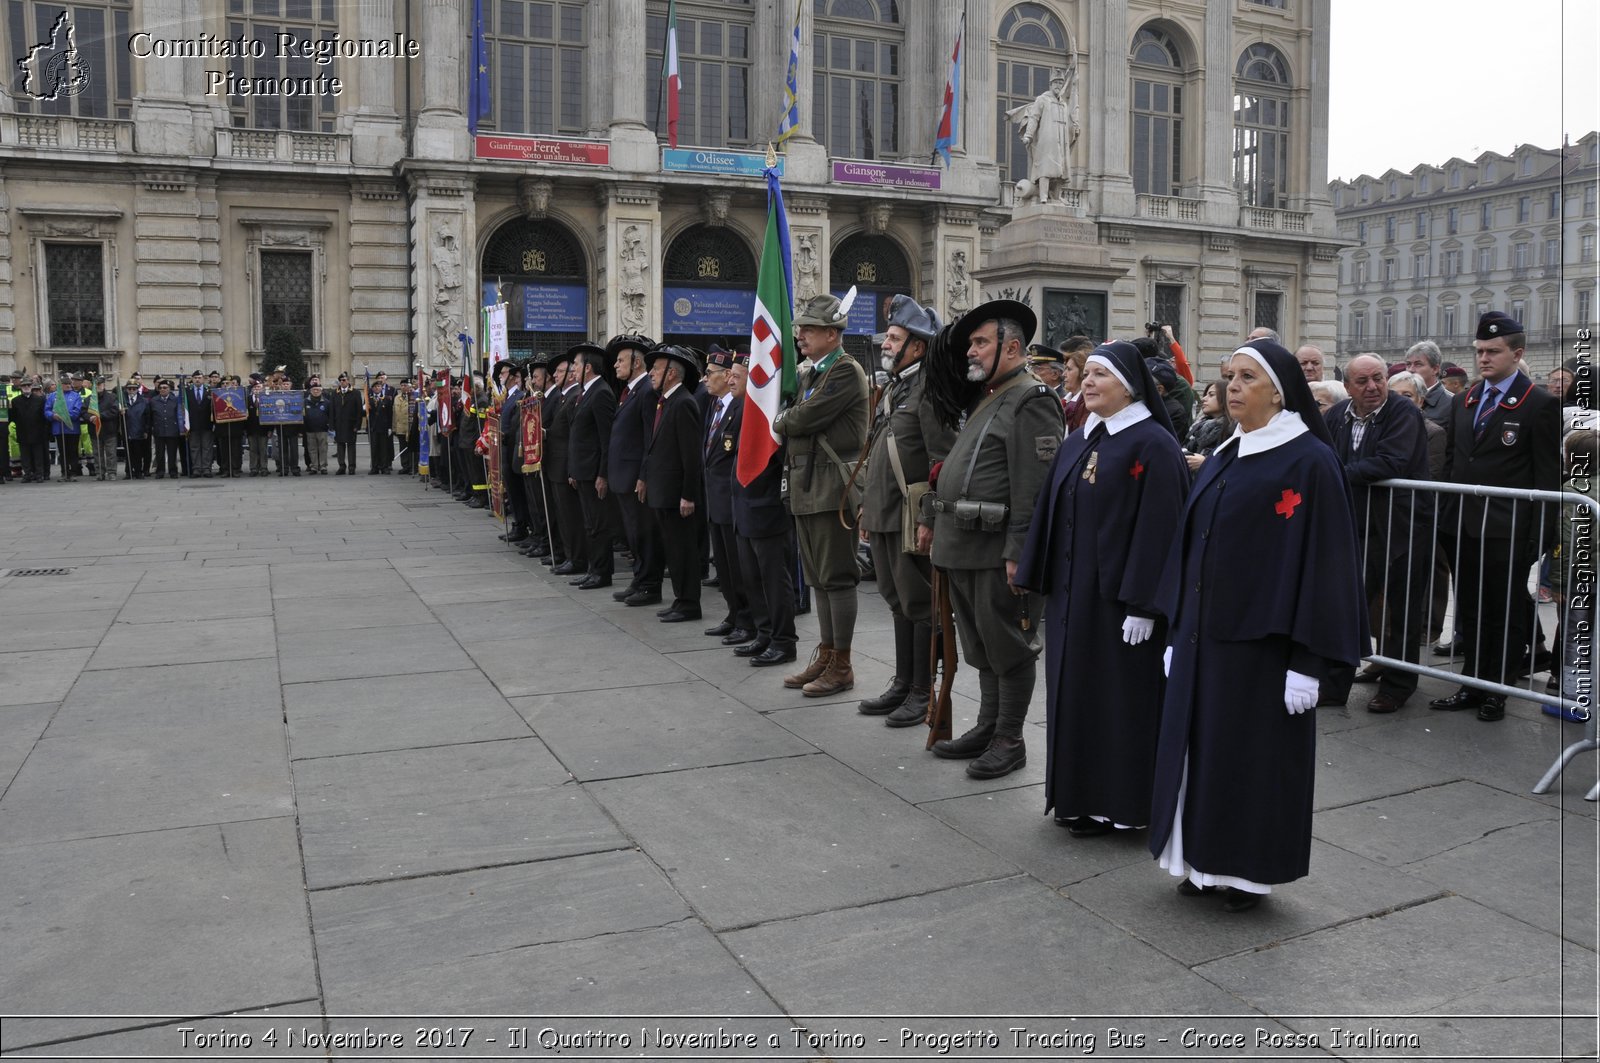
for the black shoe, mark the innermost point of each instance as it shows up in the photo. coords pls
(753, 648)
(1444, 649)
(1370, 674)
(1493, 709)
(545, 561)
(737, 637)
(583, 577)
(711, 581)
(1004, 756)
(772, 655)
(1461, 699)
(566, 568)
(538, 550)
(912, 711)
(678, 616)
(624, 594)
(294, 472)
(594, 583)
(972, 744)
(515, 534)
(1085, 827)
(724, 628)
(1188, 889)
(477, 503)
(643, 598)
(372, 472)
(888, 701)
(1240, 900)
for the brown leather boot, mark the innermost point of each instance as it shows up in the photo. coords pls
(819, 664)
(838, 677)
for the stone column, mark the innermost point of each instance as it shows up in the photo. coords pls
(806, 160)
(8, 297)
(441, 130)
(634, 148)
(1103, 106)
(1215, 120)
(924, 62)
(1223, 315)
(168, 123)
(1313, 189)
(629, 280)
(376, 138)
(444, 234)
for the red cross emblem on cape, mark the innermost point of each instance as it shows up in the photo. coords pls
(1286, 505)
(1137, 469)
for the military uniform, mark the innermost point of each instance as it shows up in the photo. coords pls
(907, 439)
(981, 509)
(720, 436)
(824, 431)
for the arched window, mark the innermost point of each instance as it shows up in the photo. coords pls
(714, 39)
(1032, 43)
(536, 66)
(877, 268)
(1157, 140)
(856, 82)
(541, 271)
(1261, 127)
(708, 293)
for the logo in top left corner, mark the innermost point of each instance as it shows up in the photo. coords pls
(53, 69)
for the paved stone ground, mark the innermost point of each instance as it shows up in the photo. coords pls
(325, 748)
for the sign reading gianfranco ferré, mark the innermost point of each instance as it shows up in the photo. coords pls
(541, 149)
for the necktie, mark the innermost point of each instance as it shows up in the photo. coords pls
(660, 405)
(716, 422)
(1491, 398)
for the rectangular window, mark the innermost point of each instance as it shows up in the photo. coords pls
(286, 297)
(98, 86)
(1485, 259)
(1524, 209)
(1486, 219)
(1423, 182)
(1157, 137)
(1552, 252)
(1387, 325)
(1388, 270)
(536, 67)
(714, 63)
(1388, 229)
(76, 294)
(1447, 320)
(1519, 257)
(1419, 266)
(1169, 307)
(1358, 325)
(1419, 322)
(1422, 225)
(1453, 220)
(1361, 231)
(1519, 309)
(298, 103)
(1586, 249)
(1585, 303)
(1269, 310)
(1588, 198)
(1555, 205)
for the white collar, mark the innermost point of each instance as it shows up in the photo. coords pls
(634, 383)
(1283, 427)
(668, 393)
(910, 370)
(591, 382)
(1127, 417)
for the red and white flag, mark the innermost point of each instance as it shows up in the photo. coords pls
(669, 71)
(772, 378)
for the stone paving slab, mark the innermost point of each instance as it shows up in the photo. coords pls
(519, 672)
(44, 629)
(1431, 956)
(1143, 899)
(334, 614)
(482, 588)
(344, 716)
(763, 689)
(180, 922)
(184, 642)
(1019, 949)
(1011, 822)
(896, 758)
(1411, 826)
(20, 728)
(190, 606)
(1350, 773)
(752, 842)
(555, 618)
(40, 675)
(414, 812)
(600, 735)
(357, 653)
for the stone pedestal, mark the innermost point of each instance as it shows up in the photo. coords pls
(629, 292)
(1056, 263)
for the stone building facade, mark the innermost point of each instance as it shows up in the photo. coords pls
(154, 214)
(1431, 249)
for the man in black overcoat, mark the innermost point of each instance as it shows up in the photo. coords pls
(588, 440)
(674, 475)
(636, 411)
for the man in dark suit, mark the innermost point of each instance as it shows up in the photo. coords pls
(1425, 360)
(764, 532)
(33, 433)
(587, 468)
(1504, 432)
(347, 417)
(510, 462)
(554, 466)
(558, 455)
(636, 411)
(674, 485)
(1379, 435)
(720, 438)
(380, 422)
(197, 403)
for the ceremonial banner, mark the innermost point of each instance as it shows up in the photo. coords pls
(532, 434)
(229, 405)
(282, 407)
(491, 461)
(424, 438)
(499, 344)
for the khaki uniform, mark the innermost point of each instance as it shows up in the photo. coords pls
(980, 517)
(830, 413)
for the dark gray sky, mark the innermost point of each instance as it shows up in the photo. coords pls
(1416, 82)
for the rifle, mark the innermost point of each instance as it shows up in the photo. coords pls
(944, 652)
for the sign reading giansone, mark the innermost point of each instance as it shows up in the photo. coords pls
(853, 172)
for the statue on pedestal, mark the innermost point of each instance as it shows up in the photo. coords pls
(1049, 130)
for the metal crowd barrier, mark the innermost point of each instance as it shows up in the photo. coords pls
(1572, 640)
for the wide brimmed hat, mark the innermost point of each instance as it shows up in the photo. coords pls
(592, 354)
(921, 321)
(994, 310)
(826, 311)
(686, 357)
(629, 340)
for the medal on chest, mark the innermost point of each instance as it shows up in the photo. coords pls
(1091, 469)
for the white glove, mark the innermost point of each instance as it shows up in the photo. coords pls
(1299, 692)
(1136, 629)
(1166, 663)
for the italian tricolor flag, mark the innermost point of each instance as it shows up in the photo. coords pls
(669, 71)
(772, 378)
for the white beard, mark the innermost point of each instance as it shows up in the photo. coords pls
(975, 373)
(888, 361)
